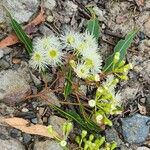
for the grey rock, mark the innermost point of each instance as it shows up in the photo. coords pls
(4, 64)
(135, 129)
(6, 110)
(148, 104)
(34, 120)
(4, 133)
(112, 135)
(57, 124)
(143, 148)
(50, 4)
(27, 138)
(70, 7)
(51, 98)
(14, 133)
(13, 87)
(47, 145)
(5, 51)
(20, 10)
(147, 27)
(11, 144)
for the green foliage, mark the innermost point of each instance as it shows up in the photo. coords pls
(90, 142)
(68, 84)
(23, 37)
(121, 47)
(93, 25)
(86, 124)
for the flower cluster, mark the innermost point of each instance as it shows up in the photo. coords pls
(47, 51)
(106, 101)
(85, 47)
(92, 142)
(86, 63)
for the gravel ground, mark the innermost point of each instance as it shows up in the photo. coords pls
(17, 80)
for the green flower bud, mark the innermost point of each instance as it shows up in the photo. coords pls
(116, 57)
(69, 127)
(78, 139)
(107, 121)
(121, 63)
(72, 63)
(124, 77)
(113, 146)
(91, 137)
(83, 134)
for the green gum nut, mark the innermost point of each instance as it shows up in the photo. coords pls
(83, 134)
(78, 139)
(69, 127)
(113, 146)
(116, 57)
(121, 63)
(91, 137)
(123, 77)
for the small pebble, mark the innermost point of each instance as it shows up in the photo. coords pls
(34, 120)
(50, 19)
(25, 109)
(27, 138)
(143, 100)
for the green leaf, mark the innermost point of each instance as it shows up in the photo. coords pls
(121, 47)
(71, 115)
(20, 33)
(93, 27)
(68, 86)
(86, 124)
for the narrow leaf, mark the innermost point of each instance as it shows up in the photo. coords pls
(22, 35)
(93, 27)
(86, 124)
(121, 47)
(68, 86)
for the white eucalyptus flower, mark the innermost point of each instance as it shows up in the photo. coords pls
(93, 60)
(82, 71)
(46, 42)
(38, 61)
(71, 38)
(54, 56)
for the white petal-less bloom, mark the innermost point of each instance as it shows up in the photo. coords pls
(89, 38)
(54, 56)
(82, 71)
(109, 80)
(71, 38)
(86, 43)
(46, 42)
(93, 60)
(38, 61)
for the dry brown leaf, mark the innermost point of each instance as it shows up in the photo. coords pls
(142, 109)
(12, 39)
(29, 128)
(140, 2)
